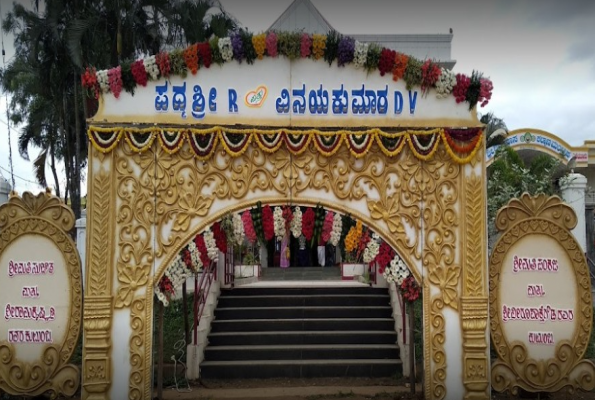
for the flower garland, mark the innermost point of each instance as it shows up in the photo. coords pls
(268, 223)
(336, 230)
(372, 249)
(220, 236)
(410, 289)
(103, 80)
(248, 227)
(327, 227)
(305, 45)
(244, 46)
(288, 217)
(162, 61)
(238, 229)
(445, 83)
(114, 76)
(396, 271)
(211, 244)
(150, 64)
(308, 223)
(271, 44)
(205, 54)
(318, 46)
(256, 213)
(139, 73)
(385, 255)
(279, 223)
(296, 223)
(259, 44)
(430, 72)
(360, 54)
(203, 252)
(400, 67)
(225, 49)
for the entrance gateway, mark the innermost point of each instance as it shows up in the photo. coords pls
(180, 153)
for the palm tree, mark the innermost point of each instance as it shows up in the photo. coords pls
(495, 129)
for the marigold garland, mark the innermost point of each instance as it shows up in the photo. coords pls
(318, 46)
(191, 58)
(105, 139)
(400, 66)
(259, 43)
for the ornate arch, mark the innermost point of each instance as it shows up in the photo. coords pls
(147, 202)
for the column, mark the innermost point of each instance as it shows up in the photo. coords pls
(573, 189)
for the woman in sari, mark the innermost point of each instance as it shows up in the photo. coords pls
(284, 256)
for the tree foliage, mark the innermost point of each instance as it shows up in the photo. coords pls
(509, 177)
(53, 43)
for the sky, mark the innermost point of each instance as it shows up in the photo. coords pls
(540, 55)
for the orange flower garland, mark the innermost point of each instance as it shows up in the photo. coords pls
(259, 43)
(468, 147)
(191, 58)
(400, 66)
(318, 46)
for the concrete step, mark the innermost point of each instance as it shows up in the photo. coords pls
(306, 300)
(302, 352)
(295, 291)
(299, 369)
(303, 324)
(301, 337)
(303, 312)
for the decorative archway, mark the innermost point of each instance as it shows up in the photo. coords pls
(152, 186)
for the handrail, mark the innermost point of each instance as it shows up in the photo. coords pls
(201, 294)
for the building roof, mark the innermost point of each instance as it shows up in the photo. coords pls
(302, 15)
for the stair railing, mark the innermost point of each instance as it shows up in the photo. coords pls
(202, 289)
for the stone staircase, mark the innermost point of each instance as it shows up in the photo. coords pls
(302, 333)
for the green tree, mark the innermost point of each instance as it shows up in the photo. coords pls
(57, 38)
(494, 128)
(509, 177)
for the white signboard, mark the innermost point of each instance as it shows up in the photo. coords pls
(279, 92)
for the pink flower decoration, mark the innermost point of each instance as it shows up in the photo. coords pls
(271, 43)
(327, 227)
(249, 226)
(305, 45)
(114, 77)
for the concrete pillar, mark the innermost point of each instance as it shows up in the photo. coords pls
(573, 189)
(81, 240)
(4, 190)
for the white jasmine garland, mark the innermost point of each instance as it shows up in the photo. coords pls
(360, 54)
(103, 80)
(279, 222)
(296, 223)
(238, 229)
(225, 49)
(445, 83)
(151, 67)
(212, 250)
(336, 230)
